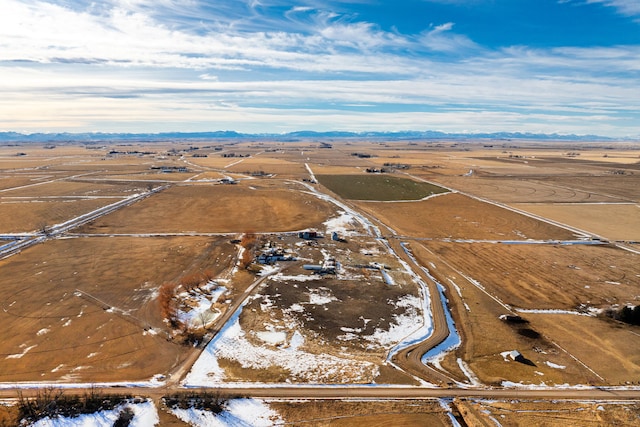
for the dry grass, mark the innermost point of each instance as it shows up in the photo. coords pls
(74, 188)
(610, 348)
(460, 217)
(481, 314)
(510, 190)
(547, 276)
(562, 413)
(613, 222)
(607, 347)
(322, 413)
(279, 167)
(71, 336)
(217, 209)
(30, 215)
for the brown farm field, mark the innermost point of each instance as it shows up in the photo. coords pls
(456, 216)
(80, 310)
(20, 216)
(218, 209)
(543, 232)
(610, 221)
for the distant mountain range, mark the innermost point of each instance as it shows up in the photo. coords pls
(97, 137)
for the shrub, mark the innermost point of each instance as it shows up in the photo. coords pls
(212, 402)
(51, 402)
(168, 308)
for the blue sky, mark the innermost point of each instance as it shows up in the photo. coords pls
(550, 66)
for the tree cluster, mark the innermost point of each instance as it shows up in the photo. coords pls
(53, 403)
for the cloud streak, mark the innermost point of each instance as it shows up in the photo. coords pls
(138, 65)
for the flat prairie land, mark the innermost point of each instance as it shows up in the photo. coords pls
(487, 340)
(207, 176)
(552, 188)
(272, 166)
(335, 170)
(457, 216)
(624, 188)
(74, 189)
(547, 276)
(326, 413)
(611, 349)
(522, 413)
(217, 209)
(80, 310)
(84, 306)
(22, 216)
(10, 180)
(511, 190)
(611, 221)
(550, 283)
(149, 177)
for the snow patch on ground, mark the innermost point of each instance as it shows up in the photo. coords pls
(145, 415)
(196, 305)
(239, 413)
(466, 370)
(19, 355)
(272, 337)
(344, 224)
(321, 296)
(299, 278)
(554, 366)
(552, 311)
(232, 344)
(403, 324)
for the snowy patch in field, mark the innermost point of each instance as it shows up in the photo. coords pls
(544, 386)
(144, 415)
(19, 355)
(403, 324)
(232, 344)
(298, 278)
(321, 296)
(43, 331)
(196, 305)
(296, 341)
(466, 370)
(554, 366)
(267, 270)
(239, 412)
(344, 224)
(296, 308)
(272, 337)
(459, 292)
(552, 311)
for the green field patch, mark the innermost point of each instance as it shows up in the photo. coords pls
(378, 187)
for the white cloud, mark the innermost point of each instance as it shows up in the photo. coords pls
(142, 64)
(625, 7)
(442, 39)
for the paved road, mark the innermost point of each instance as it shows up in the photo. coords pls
(61, 229)
(370, 392)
